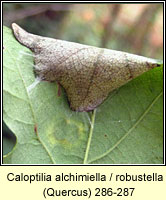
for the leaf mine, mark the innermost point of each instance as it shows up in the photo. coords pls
(88, 74)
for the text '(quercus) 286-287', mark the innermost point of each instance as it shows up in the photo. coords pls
(88, 74)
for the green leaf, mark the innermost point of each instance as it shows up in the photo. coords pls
(126, 128)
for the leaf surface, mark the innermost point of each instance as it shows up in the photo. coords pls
(126, 128)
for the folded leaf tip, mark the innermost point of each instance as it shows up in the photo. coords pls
(88, 74)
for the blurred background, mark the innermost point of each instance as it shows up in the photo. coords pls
(134, 28)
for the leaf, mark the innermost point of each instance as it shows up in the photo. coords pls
(127, 128)
(88, 74)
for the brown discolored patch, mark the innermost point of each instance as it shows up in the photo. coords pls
(35, 128)
(59, 89)
(81, 69)
(130, 71)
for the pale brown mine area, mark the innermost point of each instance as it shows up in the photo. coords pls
(88, 74)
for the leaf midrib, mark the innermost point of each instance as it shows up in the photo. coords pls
(129, 131)
(31, 107)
